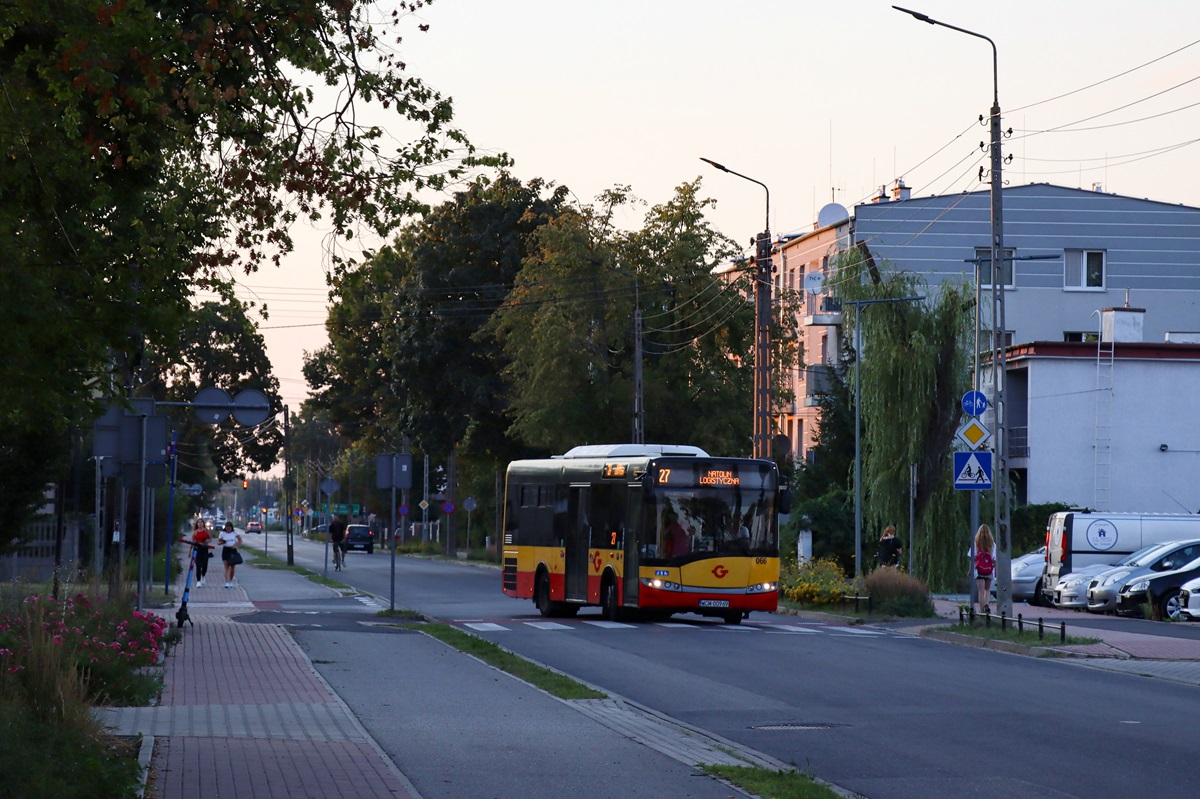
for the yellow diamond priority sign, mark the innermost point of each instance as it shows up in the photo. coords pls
(973, 434)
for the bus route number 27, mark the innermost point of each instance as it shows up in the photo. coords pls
(664, 475)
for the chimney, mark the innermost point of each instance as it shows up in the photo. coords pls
(1122, 324)
(881, 197)
(900, 191)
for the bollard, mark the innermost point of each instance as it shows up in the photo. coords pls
(987, 619)
(1003, 622)
(870, 605)
(1020, 623)
(1062, 635)
(1041, 629)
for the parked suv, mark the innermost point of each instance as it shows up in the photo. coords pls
(1103, 589)
(359, 536)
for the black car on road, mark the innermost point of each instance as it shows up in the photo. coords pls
(360, 536)
(1160, 591)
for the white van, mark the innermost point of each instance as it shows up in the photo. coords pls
(1075, 539)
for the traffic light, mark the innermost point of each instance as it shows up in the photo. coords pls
(264, 510)
(245, 484)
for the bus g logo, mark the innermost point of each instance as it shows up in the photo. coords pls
(720, 571)
(596, 562)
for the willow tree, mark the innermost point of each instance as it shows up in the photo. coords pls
(913, 371)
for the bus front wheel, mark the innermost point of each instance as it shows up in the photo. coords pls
(612, 602)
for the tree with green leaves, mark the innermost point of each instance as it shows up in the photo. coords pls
(568, 330)
(219, 347)
(914, 370)
(149, 147)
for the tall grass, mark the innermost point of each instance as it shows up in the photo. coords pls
(58, 658)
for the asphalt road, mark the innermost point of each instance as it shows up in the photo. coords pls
(882, 713)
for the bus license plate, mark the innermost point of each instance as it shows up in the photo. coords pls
(714, 603)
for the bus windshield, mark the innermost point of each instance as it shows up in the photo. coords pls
(703, 512)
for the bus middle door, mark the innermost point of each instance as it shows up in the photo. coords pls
(578, 541)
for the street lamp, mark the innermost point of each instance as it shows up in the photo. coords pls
(1000, 468)
(860, 307)
(762, 325)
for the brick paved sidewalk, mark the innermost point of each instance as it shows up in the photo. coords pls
(244, 714)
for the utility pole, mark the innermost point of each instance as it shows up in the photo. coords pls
(762, 325)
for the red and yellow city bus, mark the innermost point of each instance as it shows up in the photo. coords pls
(658, 528)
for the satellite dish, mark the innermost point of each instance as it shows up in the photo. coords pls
(832, 214)
(814, 282)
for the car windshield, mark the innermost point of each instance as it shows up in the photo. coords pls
(1146, 555)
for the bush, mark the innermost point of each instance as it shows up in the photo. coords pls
(55, 659)
(895, 593)
(815, 582)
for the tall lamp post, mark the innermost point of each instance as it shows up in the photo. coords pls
(762, 325)
(1000, 515)
(860, 307)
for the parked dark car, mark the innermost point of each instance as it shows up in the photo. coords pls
(1160, 591)
(359, 536)
(253, 527)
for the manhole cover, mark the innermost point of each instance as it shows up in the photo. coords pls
(814, 725)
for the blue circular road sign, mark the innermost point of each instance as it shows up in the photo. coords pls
(974, 403)
(403, 510)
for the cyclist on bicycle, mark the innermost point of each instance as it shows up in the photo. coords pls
(337, 537)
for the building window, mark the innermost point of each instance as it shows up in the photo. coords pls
(1084, 269)
(1080, 336)
(983, 256)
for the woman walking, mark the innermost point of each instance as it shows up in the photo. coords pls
(230, 541)
(983, 563)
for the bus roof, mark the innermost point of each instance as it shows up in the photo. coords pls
(632, 450)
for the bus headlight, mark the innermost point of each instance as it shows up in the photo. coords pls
(661, 585)
(762, 588)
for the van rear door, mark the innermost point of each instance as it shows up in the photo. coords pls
(1058, 552)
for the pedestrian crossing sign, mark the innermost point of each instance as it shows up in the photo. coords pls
(973, 471)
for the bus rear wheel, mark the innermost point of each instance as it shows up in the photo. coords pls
(733, 618)
(541, 597)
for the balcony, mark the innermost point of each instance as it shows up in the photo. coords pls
(817, 380)
(1018, 442)
(822, 310)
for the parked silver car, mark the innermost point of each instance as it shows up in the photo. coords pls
(1105, 587)
(1026, 571)
(1070, 592)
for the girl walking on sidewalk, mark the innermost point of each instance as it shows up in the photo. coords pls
(230, 540)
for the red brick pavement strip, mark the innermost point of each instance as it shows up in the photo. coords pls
(221, 662)
(261, 768)
(244, 682)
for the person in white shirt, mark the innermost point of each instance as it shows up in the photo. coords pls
(230, 540)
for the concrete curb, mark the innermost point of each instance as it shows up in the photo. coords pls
(1016, 649)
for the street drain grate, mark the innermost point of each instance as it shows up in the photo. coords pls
(816, 725)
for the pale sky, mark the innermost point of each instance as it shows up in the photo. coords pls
(822, 101)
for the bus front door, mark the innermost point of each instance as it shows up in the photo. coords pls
(579, 534)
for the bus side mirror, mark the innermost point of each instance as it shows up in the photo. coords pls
(785, 500)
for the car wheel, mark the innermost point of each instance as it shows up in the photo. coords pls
(1168, 607)
(1036, 599)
